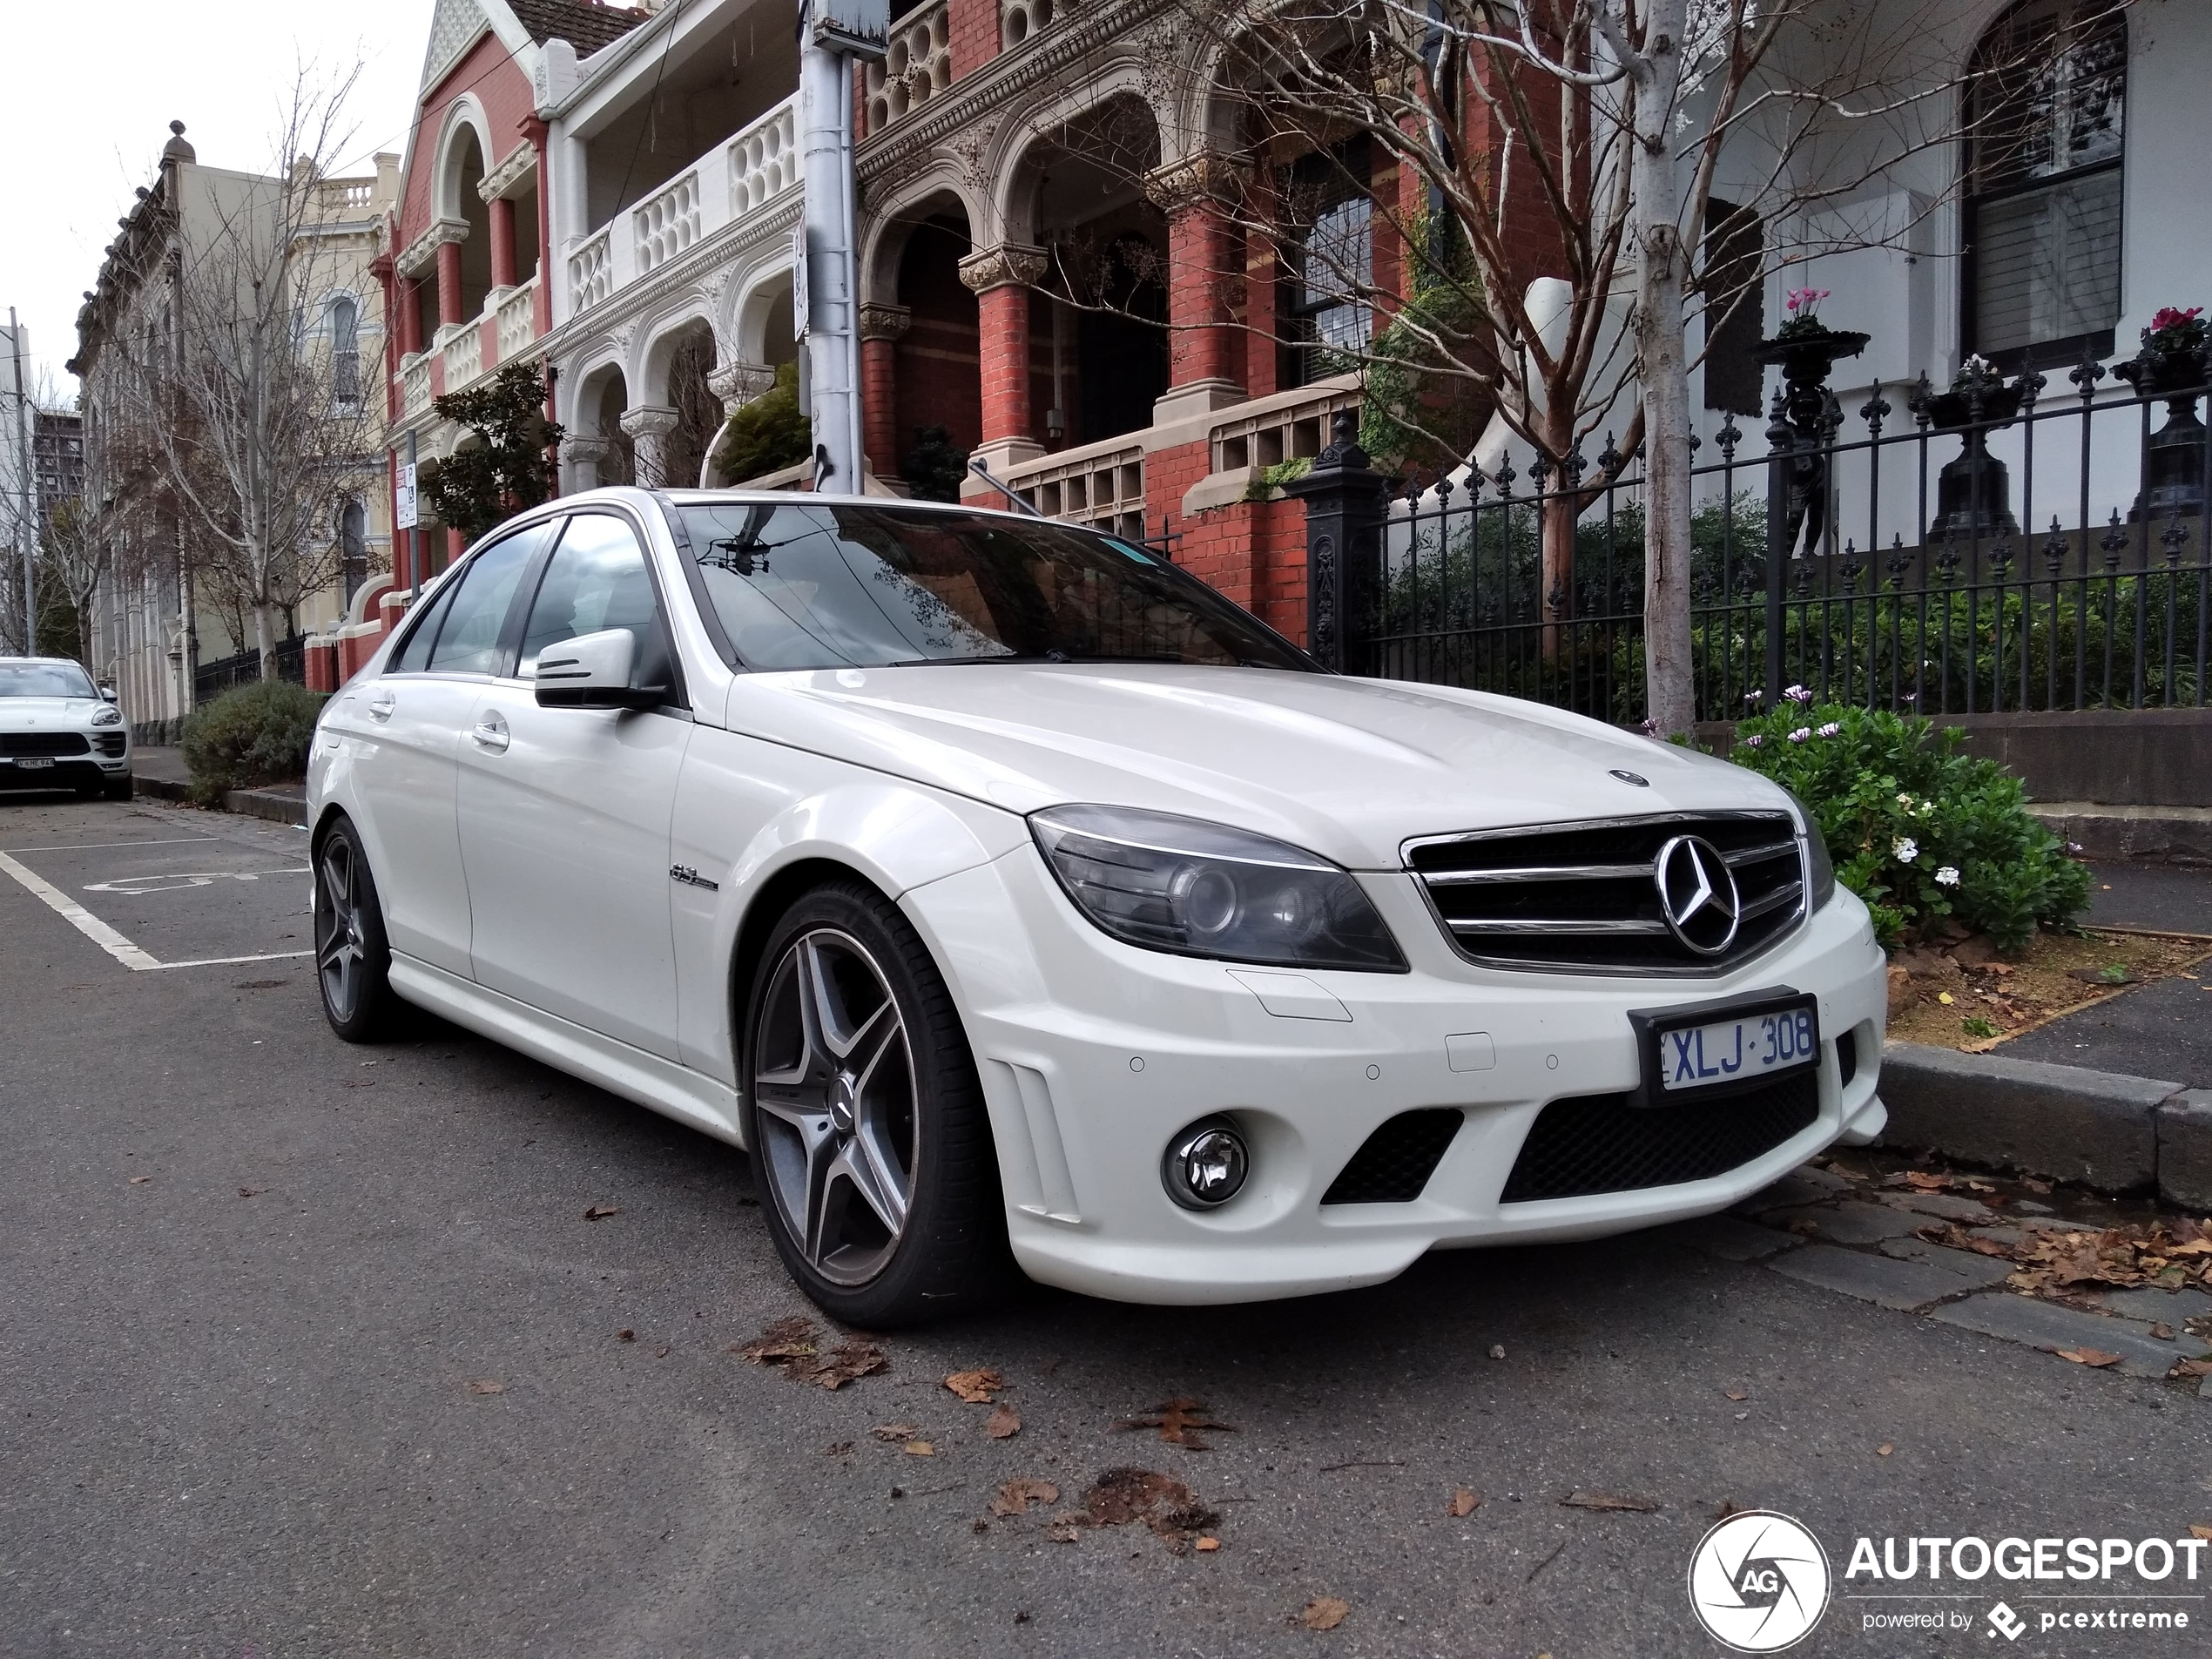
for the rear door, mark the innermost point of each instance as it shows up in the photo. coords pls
(412, 717)
(565, 812)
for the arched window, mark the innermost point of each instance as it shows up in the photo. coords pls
(344, 320)
(2046, 124)
(352, 545)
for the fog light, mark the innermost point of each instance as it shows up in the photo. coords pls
(1205, 1165)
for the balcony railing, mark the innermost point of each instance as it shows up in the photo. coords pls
(743, 175)
(516, 320)
(415, 386)
(1099, 484)
(916, 68)
(464, 355)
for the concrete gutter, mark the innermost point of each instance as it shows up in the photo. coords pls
(279, 803)
(2099, 1128)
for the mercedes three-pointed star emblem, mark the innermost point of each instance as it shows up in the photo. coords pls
(1697, 894)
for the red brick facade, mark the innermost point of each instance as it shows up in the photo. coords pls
(1004, 319)
(972, 32)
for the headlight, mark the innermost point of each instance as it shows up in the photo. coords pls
(108, 715)
(1820, 870)
(1200, 889)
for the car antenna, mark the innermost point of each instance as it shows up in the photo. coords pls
(1004, 489)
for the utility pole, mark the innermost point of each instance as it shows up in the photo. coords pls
(27, 525)
(834, 36)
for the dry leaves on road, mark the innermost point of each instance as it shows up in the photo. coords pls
(892, 1434)
(140, 1180)
(1178, 1422)
(1885, 1448)
(1003, 1424)
(601, 1211)
(977, 1387)
(2191, 1370)
(251, 1192)
(1208, 1544)
(2199, 1530)
(1120, 1496)
(1738, 1394)
(2096, 1359)
(625, 1335)
(794, 1348)
(487, 1386)
(1464, 1503)
(1324, 1613)
(1933, 1180)
(920, 1448)
(2061, 1265)
(1015, 1496)
(1582, 1500)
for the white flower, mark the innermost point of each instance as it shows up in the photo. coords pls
(1905, 849)
(1830, 729)
(1801, 734)
(1753, 697)
(1947, 876)
(1797, 693)
(1754, 741)
(1904, 800)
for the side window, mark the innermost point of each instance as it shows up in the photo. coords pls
(469, 636)
(596, 580)
(413, 654)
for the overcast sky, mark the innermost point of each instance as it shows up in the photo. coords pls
(91, 86)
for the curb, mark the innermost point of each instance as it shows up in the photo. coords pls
(2100, 1129)
(278, 806)
(2143, 834)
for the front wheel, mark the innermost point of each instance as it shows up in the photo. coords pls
(353, 961)
(870, 1142)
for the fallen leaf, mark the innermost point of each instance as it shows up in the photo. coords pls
(2195, 1247)
(1324, 1613)
(892, 1433)
(1497, 1350)
(2190, 1369)
(1885, 1448)
(1003, 1423)
(1161, 1501)
(1178, 1422)
(2034, 1185)
(1735, 1394)
(791, 1344)
(792, 1339)
(1806, 1226)
(2198, 1530)
(1464, 1503)
(2163, 1331)
(920, 1448)
(601, 1211)
(837, 1449)
(251, 1192)
(661, 1352)
(487, 1386)
(140, 1180)
(1015, 1496)
(1064, 1532)
(1582, 1500)
(977, 1387)
(625, 1335)
(847, 1363)
(1946, 998)
(1207, 1544)
(2096, 1359)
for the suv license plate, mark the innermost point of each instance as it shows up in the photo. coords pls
(33, 763)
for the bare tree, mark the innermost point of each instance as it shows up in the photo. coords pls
(258, 435)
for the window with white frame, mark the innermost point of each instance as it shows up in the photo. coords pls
(2045, 123)
(343, 320)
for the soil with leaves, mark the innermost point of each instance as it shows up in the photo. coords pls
(1961, 993)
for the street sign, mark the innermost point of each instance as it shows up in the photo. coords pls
(857, 27)
(405, 514)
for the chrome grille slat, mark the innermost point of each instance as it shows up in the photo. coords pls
(1583, 897)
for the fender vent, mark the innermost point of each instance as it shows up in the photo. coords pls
(1600, 1144)
(1395, 1163)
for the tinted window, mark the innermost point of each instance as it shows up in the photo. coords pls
(597, 580)
(468, 636)
(413, 654)
(865, 586)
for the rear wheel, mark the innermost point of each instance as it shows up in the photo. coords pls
(353, 961)
(870, 1142)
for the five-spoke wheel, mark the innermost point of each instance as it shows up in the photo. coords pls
(351, 956)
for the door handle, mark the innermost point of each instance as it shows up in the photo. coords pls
(490, 732)
(380, 706)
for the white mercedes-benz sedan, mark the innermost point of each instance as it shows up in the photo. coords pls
(1015, 899)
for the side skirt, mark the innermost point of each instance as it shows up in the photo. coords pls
(661, 1085)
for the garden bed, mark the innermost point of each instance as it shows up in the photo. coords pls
(1962, 995)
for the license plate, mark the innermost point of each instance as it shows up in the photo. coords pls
(32, 763)
(1719, 1048)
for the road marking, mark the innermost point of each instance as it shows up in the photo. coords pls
(79, 917)
(218, 961)
(94, 847)
(178, 881)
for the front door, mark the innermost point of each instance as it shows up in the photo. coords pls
(565, 812)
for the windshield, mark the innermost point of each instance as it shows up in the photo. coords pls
(44, 679)
(806, 586)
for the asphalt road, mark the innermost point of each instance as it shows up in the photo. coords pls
(244, 1424)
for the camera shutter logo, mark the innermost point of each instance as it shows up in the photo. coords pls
(1759, 1582)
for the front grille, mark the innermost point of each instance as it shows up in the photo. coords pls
(44, 743)
(1584, 898)
(1394, 1163)
(1602, 1143)
(110, 743)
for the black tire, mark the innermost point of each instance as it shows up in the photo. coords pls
(123, 788)
(353, 960)
(925, 1123)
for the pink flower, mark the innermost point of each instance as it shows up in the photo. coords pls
(1806, 298)
(2167, 317)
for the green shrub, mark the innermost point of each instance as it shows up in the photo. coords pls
(250, 736)
(767, 434)
(1917, 829)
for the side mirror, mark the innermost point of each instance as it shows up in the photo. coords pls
(592, 671)
(107, 692)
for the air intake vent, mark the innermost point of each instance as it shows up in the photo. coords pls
(1600, 1144)
(1394, 1163)
(1587, 898)
(44, 743)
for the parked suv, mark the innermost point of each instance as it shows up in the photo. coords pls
(1008, 892)
(58, 731)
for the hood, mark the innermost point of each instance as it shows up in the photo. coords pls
(1348, 768)
(47, 713)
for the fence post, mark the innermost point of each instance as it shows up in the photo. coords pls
(1781, 437)
(1343, 508)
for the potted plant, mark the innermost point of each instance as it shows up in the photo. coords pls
(2174, 363)
(1805, 348)
(1973, 491)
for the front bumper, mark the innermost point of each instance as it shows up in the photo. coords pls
(1093, 1053)
(64, 772)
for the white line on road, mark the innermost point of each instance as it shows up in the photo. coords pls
(218, 962)
(79, 917)
(94, 847)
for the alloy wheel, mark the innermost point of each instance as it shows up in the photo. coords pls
(340, 952)
(834, 1098)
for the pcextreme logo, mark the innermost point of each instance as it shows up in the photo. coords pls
(1759, 1582)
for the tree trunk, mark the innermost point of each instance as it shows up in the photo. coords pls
(1664, 375)
(265, 636)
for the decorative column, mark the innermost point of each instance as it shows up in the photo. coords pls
(649, 425)
(1204, 267)
(1001, 277)
(449, 310)
(502, 242)
(738, 384)
(580, 460)
(881, 326)
(1344, 512)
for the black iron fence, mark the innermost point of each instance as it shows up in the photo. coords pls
(2003, 545)
(211, 680)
